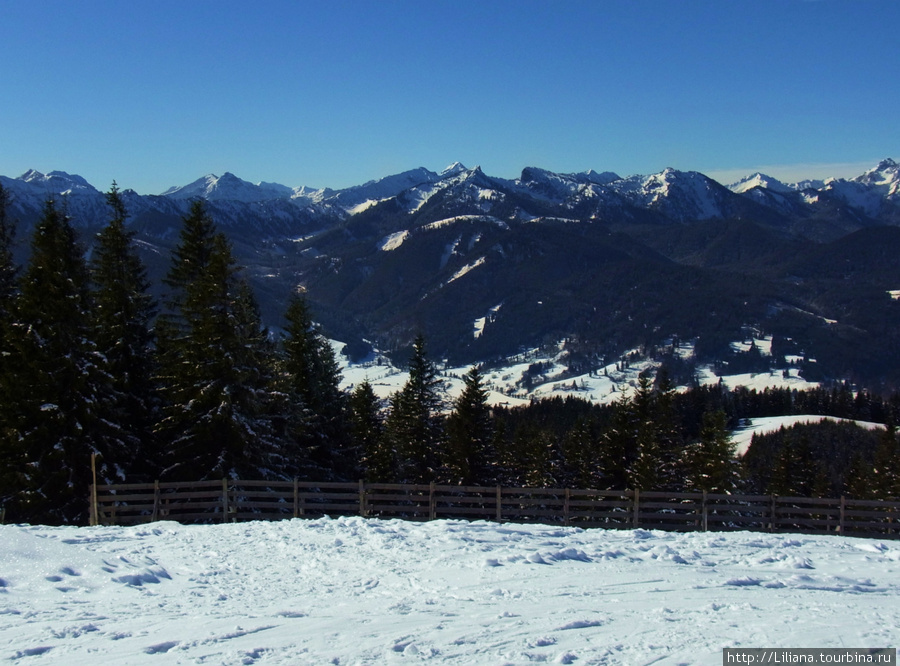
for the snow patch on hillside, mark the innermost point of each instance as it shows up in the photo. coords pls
(481, 322)
(393, 241)
(466, 269)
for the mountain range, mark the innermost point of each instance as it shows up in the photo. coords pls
(486, 267)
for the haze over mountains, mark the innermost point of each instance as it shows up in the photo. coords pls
(486, 266)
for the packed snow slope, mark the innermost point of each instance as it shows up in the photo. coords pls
(357, 591)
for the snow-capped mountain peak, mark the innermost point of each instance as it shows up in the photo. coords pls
(227, 187)
(759, 180)
(453, 170)
(604, 178)
(885, 176)
(58, 182)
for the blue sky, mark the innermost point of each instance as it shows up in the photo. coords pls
(335, 93)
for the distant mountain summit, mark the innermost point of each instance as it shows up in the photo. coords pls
(759, 180)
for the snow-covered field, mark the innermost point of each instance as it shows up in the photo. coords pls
(357, 591)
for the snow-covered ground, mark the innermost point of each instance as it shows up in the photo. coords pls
(365, 591)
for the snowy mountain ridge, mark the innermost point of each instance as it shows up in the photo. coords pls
(680, 196)
(607, 262)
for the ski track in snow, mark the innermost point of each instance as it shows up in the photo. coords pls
(358, 591)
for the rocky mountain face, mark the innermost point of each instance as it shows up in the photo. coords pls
(486, 266)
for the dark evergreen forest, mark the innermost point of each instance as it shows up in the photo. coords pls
(195, 387)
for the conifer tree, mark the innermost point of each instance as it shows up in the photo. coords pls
(414, 425)
(11, 481)
(59, 412)
(8, 269)
(615, 449)
(581, 456)
(470, 433)
(710, 464)
(367, 430)
(645, 473)
(885, 477)
(122, 324)
(668, 434)
(319, 421)
(215, 365)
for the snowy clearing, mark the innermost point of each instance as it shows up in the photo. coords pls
(357, 591)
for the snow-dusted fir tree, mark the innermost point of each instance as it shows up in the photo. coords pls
(581, 468)
(8, 269)
(10, 452)
(885, 475)
(318, 407)
(414, 425)
(469, 433)
(645, 472)
(710, 463)
(367, 431)
(123, 314)
(60, 407)
(215, 365)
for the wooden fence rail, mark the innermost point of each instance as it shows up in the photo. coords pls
(229, 500)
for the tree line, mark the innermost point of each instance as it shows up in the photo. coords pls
(196, 387)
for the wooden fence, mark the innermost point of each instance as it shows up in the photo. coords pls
(231, 500)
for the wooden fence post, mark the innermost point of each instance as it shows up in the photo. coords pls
(566, 508)
(499, 504)
(773, 513)
(841, 518)
(224, 500)
(637, 512)
(705, 513)
(95, 514)
(362, 498)
(155, 515)
(432, 502)
(296, 498)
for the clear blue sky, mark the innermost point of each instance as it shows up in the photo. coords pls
(335, 93)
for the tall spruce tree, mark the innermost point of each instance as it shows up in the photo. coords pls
(414, 425)
(616, 448)
(8, 269)
(710, 463)
(10, 451)
(60, 409)
(215, 365)
(320, 424)
(885, 476)
(470, 433)
(646, 470)
(367, 429)
(124, 311)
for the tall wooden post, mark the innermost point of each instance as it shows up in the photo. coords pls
(155, 515)
(362, 498)
(432, 502)
(224, 500)
(705, 513)
(95, 513)
(637, 507)
(499, 515)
